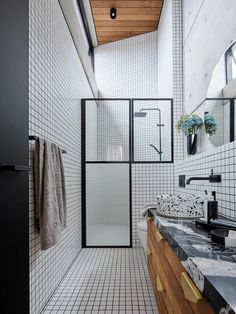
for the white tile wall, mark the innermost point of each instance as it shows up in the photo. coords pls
(113, 130)
(129, 69)
(146, 131)
(57, 82)
(177, 36)
(223, 161)
(91, 131)
(148, 180)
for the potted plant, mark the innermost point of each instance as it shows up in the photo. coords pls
(189, 125)
(210, 124)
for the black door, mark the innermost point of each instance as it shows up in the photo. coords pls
(14, 272)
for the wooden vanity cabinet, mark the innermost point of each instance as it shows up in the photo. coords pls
(174, 290)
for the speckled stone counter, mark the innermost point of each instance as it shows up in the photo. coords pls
(212, 267)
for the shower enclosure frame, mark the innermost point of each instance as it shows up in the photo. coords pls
(130, 162)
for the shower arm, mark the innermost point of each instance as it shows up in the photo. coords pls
(153, 146)
(151, 109)
(154, 109)
(158, 125)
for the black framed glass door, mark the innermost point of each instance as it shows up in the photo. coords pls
(113, 139)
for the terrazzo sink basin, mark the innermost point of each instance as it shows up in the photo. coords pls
(180, 206)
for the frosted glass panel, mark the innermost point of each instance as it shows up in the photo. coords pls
(107, 205)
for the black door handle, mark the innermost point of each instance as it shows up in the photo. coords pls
(14, 168)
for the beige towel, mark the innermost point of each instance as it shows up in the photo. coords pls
(50, 199)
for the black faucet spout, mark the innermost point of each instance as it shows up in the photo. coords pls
(196, 179)
(212, 178)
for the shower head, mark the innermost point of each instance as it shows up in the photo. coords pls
(140, 114)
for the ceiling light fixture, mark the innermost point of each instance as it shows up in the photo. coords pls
(113, 13)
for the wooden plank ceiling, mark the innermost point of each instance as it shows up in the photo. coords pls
(133, 18)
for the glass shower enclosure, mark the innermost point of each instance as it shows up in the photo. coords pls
(115, 134)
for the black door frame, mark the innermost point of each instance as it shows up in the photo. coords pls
(131, 161)
(14, 156)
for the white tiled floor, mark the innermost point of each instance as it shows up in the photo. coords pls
(105, 281)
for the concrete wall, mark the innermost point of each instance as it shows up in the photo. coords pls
(210, 27)
(165, 51)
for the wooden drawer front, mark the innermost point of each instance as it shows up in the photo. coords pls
(179, 293)
(159, 240)
(173, 288)
(200, 305)
(151, 249)
(164, 293)
(158, 294)
(151, 262)
(163, 302)
(152, 275)
(151, 227)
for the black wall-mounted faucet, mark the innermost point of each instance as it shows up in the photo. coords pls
(211, 178)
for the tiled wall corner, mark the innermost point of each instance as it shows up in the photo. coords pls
(57, 83)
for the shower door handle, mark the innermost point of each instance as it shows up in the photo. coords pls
(13, 168)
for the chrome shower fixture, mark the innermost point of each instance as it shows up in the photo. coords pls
(140, 114)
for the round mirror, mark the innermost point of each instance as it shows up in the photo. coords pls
(219, 106)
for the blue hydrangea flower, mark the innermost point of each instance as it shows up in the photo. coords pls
(210, 124)
(189, 124)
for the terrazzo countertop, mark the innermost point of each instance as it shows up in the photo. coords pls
(212, 267)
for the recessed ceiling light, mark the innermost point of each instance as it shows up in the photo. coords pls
(113, 13)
